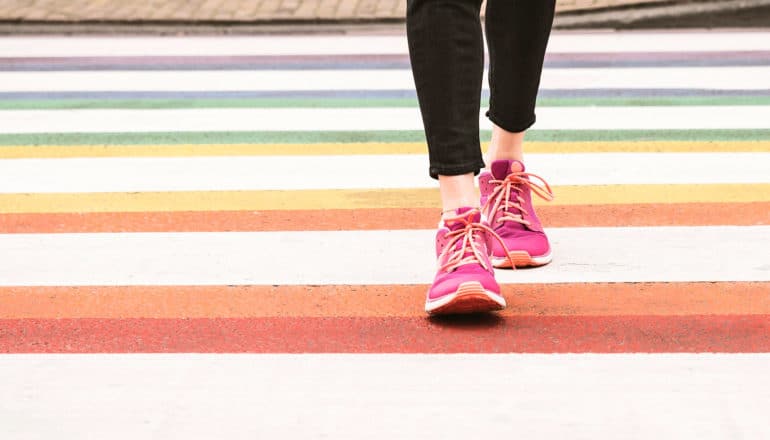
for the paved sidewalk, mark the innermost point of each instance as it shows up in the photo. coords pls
(236, 10)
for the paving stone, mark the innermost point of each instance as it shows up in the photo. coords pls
(227, 10)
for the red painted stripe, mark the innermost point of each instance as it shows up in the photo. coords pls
(484, 334)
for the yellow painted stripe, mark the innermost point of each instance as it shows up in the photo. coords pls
(352, 199)
(322, 149)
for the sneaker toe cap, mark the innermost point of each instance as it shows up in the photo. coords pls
(448, 283)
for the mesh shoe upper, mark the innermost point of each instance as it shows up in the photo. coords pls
(461, 249)
(506, 200)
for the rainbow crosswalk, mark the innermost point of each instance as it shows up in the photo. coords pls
(268, 197)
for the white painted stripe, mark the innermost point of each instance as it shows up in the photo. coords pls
(257, 80)
(85, 175)
(656, 41)
(560, 41)
(365, 119)
(744, 77)
(62, 46)
(724, 253)
(247, 396)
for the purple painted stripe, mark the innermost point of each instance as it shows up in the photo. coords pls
(306, 62)
(373, 94)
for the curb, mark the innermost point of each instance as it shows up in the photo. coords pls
(673, 14)
(713, 13)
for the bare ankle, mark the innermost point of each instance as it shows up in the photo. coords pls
(505, 145)
(457, 192)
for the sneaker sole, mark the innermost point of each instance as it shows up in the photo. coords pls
(521, 259)
(470, 297)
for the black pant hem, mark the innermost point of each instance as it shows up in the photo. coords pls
(513, 127)
(456, 170)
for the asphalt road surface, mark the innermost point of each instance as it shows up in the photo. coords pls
(232, 237)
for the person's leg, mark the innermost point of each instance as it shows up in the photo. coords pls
(517, 34)
(456, 192)
(446, 50)
(504, 145)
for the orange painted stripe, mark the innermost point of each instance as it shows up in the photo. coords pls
(675, 214)
(571, 299)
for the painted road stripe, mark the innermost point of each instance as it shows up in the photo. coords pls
(392, 61)
(717, 396)
(315, 137)
(517, 334)
(592, 95)
(337, 102)
(651, 254)
(359, 199)
(559, 42)
(364, 148)
(681, 214)
(287, 173)
(179, 302)
(148, 104)
(367, 119)
(670, 214)
(736, 78)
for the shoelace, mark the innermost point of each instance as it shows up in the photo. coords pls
(500, 199)
(457, 256)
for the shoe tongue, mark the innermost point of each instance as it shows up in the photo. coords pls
(502, 168)
(471, 217)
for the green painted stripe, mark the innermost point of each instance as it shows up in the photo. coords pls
(49, 104)
(626, 101)
(295, 137)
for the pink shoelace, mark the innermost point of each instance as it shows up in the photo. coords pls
(457, 256)
(500, 199)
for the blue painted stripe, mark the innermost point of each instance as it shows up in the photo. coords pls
(375, 94)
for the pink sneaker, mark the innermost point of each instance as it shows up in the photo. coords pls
(465, 282)
(506, 200)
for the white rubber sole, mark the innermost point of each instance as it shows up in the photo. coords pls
(521, 259)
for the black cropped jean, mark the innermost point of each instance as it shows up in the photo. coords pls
(446, 50)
